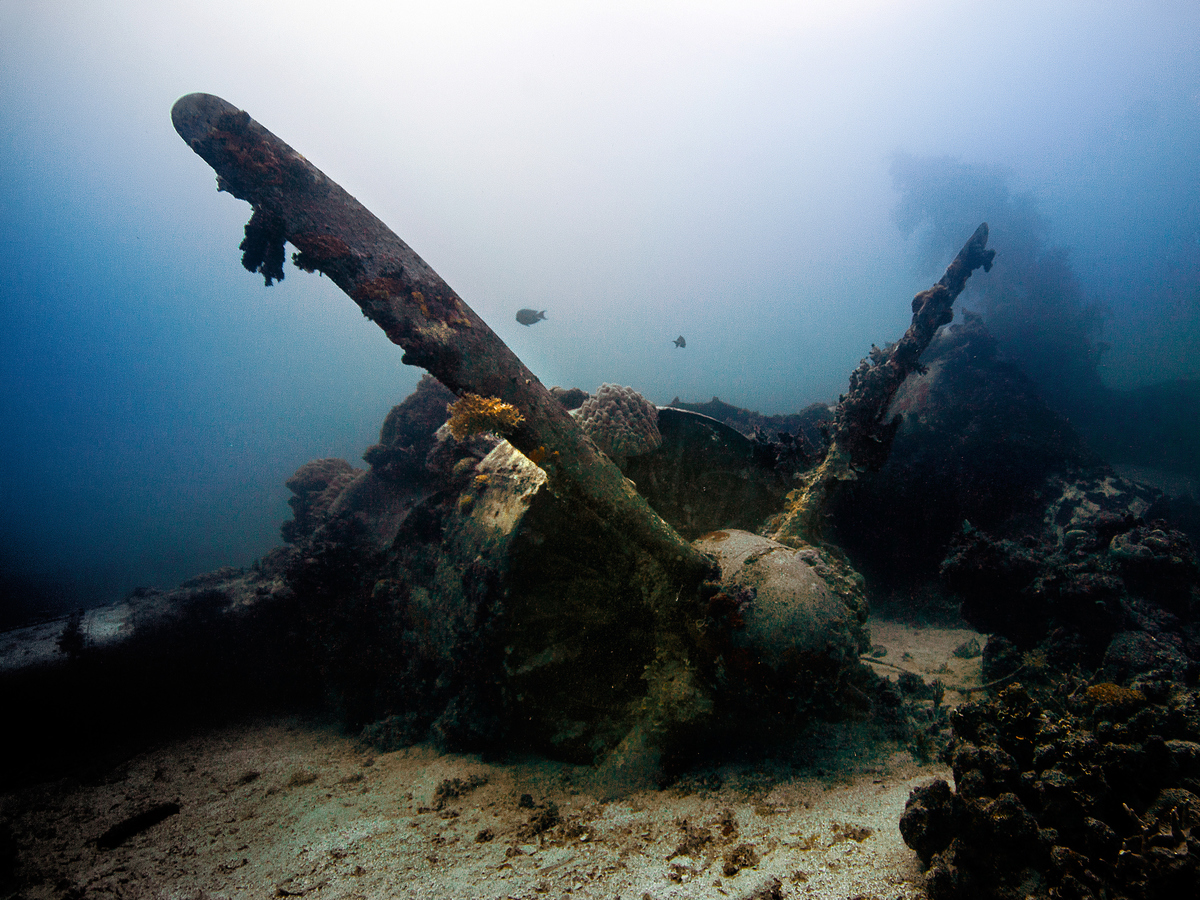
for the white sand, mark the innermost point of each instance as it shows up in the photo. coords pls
(288, 808)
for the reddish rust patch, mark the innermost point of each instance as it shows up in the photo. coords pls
(235, 143)
(441, 307)
(377, 290)
(320, 247)
(326, 254)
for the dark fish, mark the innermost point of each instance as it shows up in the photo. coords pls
(679, 341)
(529, 316)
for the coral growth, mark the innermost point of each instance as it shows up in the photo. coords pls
(406, 437)
(262, 247)
(471, 414)
(316, 485)
(1108, 694)
(620, 421)
(1092, 585)
(1067, 796)
(570, 398)
(326, 254)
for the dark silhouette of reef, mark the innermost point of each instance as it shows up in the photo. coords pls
(976, 443)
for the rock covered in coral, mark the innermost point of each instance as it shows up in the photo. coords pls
(1092, 795)
(570, 398)
(414, 458)
(1150, 658)
(315, 486)
(928, 822)
(407, 434)
(1087, 582)
(1156, 559)
(620, 421)
(782, 611)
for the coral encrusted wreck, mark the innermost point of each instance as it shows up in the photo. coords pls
(527, 592)
(494, 612)
(1091, 794)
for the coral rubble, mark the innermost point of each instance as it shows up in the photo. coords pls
(1087, 793)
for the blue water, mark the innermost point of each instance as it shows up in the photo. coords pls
(774, 186)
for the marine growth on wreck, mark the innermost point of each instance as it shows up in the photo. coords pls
(642, 590)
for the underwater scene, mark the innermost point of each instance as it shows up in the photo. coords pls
(661, 450)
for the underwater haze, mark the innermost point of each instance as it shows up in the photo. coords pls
(772, 181)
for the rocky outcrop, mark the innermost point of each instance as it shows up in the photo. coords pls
(976, 442)
(1092, 794)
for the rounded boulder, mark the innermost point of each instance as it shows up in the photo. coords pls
(787, 610)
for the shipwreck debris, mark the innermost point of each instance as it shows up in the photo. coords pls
(862, 434)
(294, 201)
(533, 592)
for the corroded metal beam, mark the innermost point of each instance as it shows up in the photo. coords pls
(862, 433)
(336, 235)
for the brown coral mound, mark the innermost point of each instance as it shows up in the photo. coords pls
(1066, 796)
(315, 485)
(621, 422)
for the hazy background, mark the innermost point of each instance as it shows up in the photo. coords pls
(772, 180)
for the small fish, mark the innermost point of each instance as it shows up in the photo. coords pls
(529, 316)
(679, 342)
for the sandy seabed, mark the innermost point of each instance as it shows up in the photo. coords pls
(290, 807)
